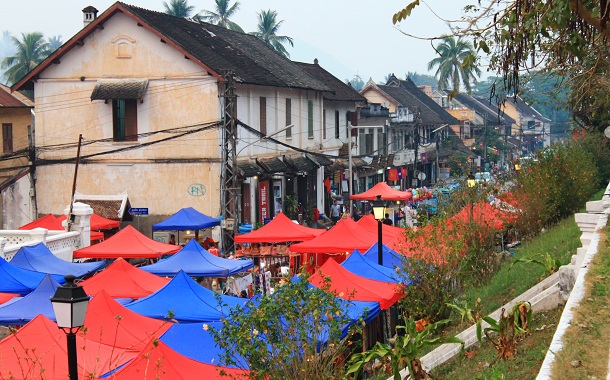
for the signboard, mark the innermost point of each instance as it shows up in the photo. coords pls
(263, 200)
(138, 211)
(404, 157)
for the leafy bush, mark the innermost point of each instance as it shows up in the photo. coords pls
(296, 333)
(557, 185)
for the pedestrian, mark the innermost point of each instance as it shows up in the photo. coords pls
(172, 239)
(335, 211)
(387, 220)
(355, 214)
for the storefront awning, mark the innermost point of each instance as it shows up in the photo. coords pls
(272, 164)
(300, 162)
(107, 89)
(249, 168)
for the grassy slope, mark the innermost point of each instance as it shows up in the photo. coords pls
(480, 362)
(560, 242)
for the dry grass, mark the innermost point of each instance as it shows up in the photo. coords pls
(586, 341)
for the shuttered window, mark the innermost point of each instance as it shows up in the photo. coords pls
(7, 137)
(125, 119)
(288, 118)
(263, 115)
(310, 119)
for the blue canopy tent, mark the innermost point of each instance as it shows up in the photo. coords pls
(357, 263)
(391, 258)
(187, 300)
(21, 281)
(24, 309)
(187, 219)
(195, 261)
(354, 310)
(39, 258)
(192, 341)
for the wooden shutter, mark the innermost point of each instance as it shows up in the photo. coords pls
(7, 137)
(131, 120)
(288, 117)
(263, 115)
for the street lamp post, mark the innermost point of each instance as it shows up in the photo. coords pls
(379, 214)
(70, 306)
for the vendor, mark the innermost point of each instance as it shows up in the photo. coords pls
(209, 243)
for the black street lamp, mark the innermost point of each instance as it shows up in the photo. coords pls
(379, 214)
(70, 306)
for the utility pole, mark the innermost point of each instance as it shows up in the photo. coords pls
(417, 120)
(32, 163)
(228, 177)
(69, 220)
(350, 165)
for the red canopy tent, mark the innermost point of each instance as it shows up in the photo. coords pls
(483, 212)
(386, 192)
(127, 243)
(53, 223)
(350, 286)
(38, 351)
(98, 222)
(369, 222)
(49, 221)
(345, 236)
(280, 229)
(158, 361)
(131, 331)
(122, 280)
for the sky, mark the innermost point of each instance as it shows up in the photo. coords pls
(348, 37)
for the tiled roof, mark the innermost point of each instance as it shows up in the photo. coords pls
(13, 100)
(212, 47)
(340, 90)
(428, 102)
(220, 48)
(114, 207)
(406, 99)
(485, 108)
(106, 89)
(525, 109)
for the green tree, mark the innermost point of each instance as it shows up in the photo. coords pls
(422, 79)
(268, 27)
(178, 8)
(569, 38)
(456, 64)
(295, 333)
(221, 15)
(31, 50)
(357, 83)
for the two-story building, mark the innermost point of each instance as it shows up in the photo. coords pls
(531, 128)
(415, 128)
(145, 91)
(16, 188)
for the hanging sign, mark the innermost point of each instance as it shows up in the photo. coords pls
(263, 200)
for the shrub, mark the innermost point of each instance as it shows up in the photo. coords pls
(296, 333)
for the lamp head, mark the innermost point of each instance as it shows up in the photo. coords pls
(378, 208)
(70, 304)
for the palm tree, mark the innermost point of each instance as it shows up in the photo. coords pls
(457, 63)
(178, 8)
(55, 43)
(268, 27)
(222, 14)
(31, 50)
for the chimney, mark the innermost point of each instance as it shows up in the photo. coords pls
(89, 15)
